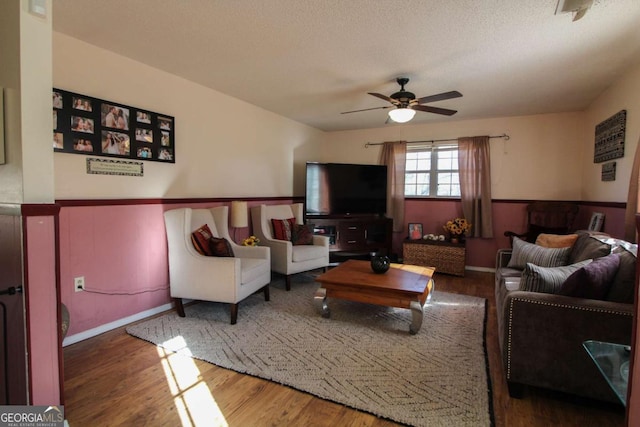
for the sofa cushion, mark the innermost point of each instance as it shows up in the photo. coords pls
(302, 234)
(556, 240)
(623, 286)
(282, 228)
(524, 252)
(200, 239)
(588, 247)
(592, 281)
(221, 247)
(547, 279)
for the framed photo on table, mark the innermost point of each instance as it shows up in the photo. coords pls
(415, 231)
(597, 220)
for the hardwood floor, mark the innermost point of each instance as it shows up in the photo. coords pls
(117, 380)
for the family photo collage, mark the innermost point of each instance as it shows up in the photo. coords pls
(92, 126)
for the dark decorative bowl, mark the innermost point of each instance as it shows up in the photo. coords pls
(380, 264)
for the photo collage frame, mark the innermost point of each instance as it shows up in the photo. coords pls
(91, 126)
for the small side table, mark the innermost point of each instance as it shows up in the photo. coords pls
(612, 361)
(446, 257)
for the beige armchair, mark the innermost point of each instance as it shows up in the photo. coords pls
(287, 258)
(208, 278)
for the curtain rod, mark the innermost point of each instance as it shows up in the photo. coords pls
(503, 136)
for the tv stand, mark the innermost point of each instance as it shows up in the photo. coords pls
(354, 237)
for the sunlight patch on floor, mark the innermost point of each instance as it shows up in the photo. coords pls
(192, 396)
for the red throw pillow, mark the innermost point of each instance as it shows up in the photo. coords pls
(302, 234)
(200, 239)
(220, 247)
(282, 228)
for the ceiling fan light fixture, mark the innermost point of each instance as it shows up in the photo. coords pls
(402, 115)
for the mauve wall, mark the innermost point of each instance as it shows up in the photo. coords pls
(121, 250)
(507, 216)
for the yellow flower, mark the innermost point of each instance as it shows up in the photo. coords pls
(251, 241)
(457, 226)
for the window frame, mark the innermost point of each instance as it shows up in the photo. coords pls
(433, 170)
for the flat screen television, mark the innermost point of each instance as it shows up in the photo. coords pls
(340, 189)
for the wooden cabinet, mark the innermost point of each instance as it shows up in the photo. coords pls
(354, 237)
(446, 257)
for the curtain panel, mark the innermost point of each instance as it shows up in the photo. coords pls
(394, 155)
(474, 167)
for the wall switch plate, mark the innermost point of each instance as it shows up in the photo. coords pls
(78, 284)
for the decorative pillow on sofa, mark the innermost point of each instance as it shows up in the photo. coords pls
(556, 240)
(624, 284)
(592, 281)
(200, 239)
(302, 234)
(220, 247)
(588, 247)
(524, 252)
(547, 279)
(282, 228)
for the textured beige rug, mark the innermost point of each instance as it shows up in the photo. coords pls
(362, 357)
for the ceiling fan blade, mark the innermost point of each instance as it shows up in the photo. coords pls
(367, 109)
(386, 98)
(434, 110)
(439, 97)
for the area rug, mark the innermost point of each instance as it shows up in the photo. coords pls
(362, 357)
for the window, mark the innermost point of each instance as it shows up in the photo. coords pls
(432, 171)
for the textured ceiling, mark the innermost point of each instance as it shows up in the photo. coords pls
(309, 60)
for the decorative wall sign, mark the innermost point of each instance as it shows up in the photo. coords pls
(610, 138)
(114, 167)
(609, 171)
(91, 126)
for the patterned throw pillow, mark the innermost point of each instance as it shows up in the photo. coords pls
(302, 234)
(594, 280)
(200, 239)
(282, 228)
(220, 247)
(547, 279)
(524, 252)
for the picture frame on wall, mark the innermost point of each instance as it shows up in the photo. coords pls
(87, 125)
(415, 231)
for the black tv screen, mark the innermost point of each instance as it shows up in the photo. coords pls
(345, 189)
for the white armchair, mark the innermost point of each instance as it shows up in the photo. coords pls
(287, 258)
(220, 279)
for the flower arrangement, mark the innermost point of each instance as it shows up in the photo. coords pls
(457, 227)
(251, 241)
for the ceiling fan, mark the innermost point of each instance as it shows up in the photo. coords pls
(406, 104)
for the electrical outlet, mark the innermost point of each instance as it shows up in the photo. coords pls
(78, 284)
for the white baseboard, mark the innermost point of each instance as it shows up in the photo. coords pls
(72, 339)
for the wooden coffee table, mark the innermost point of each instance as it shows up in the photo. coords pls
(403, 286)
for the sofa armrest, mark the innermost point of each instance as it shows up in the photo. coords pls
(543, 336)
(259, 252)
(502, 257)
(320, 240)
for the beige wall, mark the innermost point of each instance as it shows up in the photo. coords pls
(25, 52)
(538, 162)
(11, 171)
(623, 95)
(224, 147)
